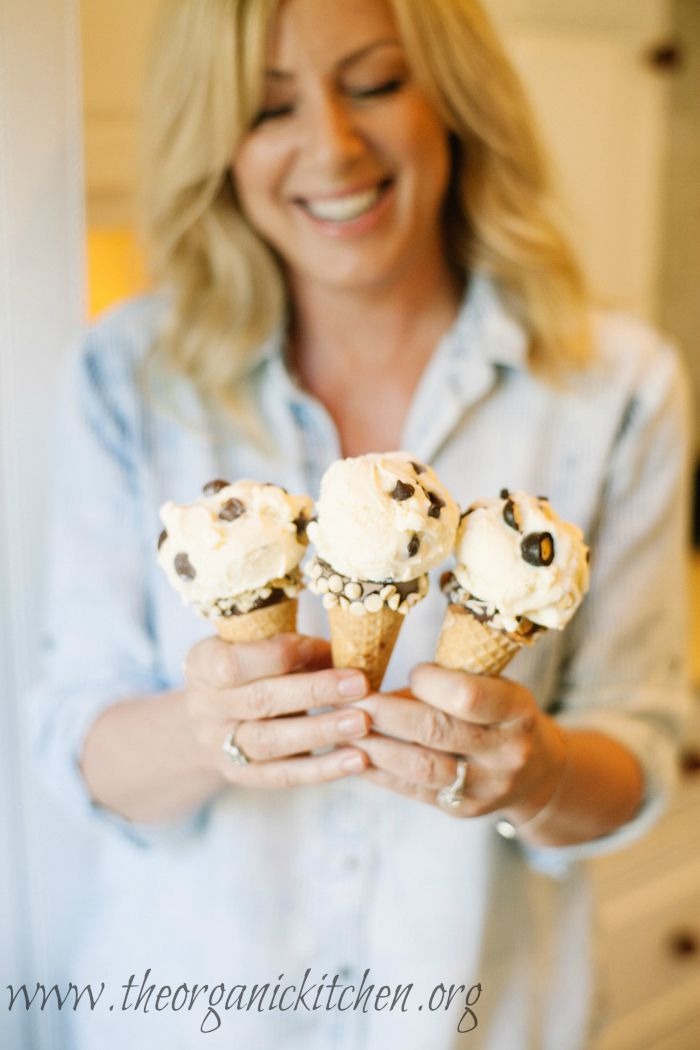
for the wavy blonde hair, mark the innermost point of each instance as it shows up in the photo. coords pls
(204, 87)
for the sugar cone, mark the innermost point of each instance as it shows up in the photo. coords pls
(259, 624)
(465, 644)
(366, 641)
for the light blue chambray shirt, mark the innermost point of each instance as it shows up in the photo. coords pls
(346, 877)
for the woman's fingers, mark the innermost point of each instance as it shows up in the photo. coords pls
(483, 699)
(290, 694)
(293, 772)
(419, 793)
(283, 737)
(421, 723)
(220, 665)
(432, 770)
(415, 764)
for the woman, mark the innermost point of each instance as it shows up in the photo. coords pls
(351, 227)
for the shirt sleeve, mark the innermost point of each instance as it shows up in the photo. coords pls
(626, 668)
(98, 644)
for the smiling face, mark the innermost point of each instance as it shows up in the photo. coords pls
(346, 167)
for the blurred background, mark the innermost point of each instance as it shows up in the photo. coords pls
(616, 87)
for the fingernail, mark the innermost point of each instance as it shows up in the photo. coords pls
(353, 764)
(352, 724)
(352, 684)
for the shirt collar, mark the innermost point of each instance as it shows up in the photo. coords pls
(484, 331)
(485, 327)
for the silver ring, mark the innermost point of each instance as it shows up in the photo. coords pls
(232, 751)
(453, 794)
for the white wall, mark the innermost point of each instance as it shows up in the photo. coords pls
(41, 309)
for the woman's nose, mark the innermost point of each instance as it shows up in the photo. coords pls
(333, 135)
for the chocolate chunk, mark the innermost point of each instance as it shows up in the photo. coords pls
(445, 579)
(212, 487)
(505, 494)
(184, 567)
(436, 504)
(588, 557)
(544, 499)
(537, 548)
(510, 515)
(402, 492)
(418, 467)
(300, 524)
(413, 545)
(162, 538)
(232, 509)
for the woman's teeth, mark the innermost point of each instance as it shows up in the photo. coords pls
(344, 209)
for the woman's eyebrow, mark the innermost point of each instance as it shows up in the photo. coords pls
(354, 56)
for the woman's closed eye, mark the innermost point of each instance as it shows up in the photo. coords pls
(388, 87)
(272, 113)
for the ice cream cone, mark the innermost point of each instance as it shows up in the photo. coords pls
(366, 641)
(465, 644)
(259, 624)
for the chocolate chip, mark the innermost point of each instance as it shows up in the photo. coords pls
(436, 504)
(212, 487)
(445, 579)
(232, 509)
(184, 567)
(588, 556)
(402, 491)
(505, 494)
(300, 524)
(162, 538)
(418, 467)
(413, 545)
(537, 548)
(510, 515)
(544, 499)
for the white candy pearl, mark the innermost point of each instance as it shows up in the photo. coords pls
(373, 603)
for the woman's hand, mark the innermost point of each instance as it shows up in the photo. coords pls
(261, 692)
(515, 753)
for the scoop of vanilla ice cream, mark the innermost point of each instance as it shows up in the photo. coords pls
(383, 517)
(235, 538)
(519, 558)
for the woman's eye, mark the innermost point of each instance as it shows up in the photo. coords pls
(271, 113)
(389, 87)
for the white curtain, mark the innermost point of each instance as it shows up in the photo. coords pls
(42, 857)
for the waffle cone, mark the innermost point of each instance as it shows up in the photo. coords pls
(465, 644)
(259, 624)
(366, 641)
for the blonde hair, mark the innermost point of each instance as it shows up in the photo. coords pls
(204, 88)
